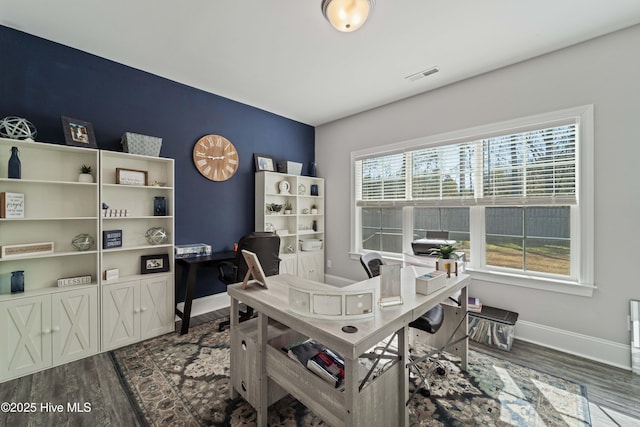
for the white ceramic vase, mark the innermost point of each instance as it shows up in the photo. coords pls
(85, 177)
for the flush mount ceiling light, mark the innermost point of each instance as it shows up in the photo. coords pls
(347, 15)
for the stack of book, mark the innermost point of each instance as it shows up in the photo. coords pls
(474, 304)
(319, 359)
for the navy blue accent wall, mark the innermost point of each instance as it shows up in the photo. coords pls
(41, 81)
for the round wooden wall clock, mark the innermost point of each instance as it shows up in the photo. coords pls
(215, 157)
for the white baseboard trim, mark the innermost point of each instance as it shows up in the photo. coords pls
(599, 350)
(207, 304)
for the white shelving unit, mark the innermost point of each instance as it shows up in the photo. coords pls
(136, 306)
(47, 325)
(280, 189)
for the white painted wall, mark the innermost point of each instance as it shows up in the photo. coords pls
(604, 72)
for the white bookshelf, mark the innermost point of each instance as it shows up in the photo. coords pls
(60, 322)
(47, 325)
(295, 226)
(136, 306)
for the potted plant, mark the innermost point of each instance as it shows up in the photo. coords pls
(85, 174)
(314, 209)
(287, 208)
(446, 258)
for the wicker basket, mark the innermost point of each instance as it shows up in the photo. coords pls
(141, 144)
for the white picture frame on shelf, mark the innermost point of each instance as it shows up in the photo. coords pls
(131, 177)
(11, 205)
(26, 250)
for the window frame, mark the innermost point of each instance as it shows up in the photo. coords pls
(581, 281)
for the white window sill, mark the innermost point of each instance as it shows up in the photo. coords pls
(539, 283)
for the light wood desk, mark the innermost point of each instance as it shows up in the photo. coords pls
(262, 373)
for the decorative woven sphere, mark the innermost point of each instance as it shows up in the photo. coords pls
(156, 235)
(83, 242)
(17, 128)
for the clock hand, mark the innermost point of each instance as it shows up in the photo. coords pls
(215, 157)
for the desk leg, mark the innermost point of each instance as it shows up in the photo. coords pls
(188, 297)
(233, 369)
(350, 390)
(464, 345)
(403, 380)
(263, 403)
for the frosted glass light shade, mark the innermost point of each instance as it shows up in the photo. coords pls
(347, 15)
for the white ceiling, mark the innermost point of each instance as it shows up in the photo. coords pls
(284, 57)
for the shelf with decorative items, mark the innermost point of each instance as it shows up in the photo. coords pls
(299, 228)
(37, 230)
(137, 247)
(137, 213)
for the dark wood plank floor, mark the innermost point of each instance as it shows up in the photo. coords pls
(614, 393)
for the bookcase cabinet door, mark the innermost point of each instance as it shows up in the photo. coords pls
(75, 324)
(156, 306)
(311, 266)
(25, 334)
(288, 264)
(120, 314)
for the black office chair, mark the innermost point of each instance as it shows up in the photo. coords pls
(429, 322)
(371, 261)
(266, 246)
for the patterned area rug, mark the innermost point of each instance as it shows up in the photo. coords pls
(182, 380)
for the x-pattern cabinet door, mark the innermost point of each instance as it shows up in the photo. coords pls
(120, 314)
(156, 306)
(25, 335)
(75, 324)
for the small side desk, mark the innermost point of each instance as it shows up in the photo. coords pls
(186, 278)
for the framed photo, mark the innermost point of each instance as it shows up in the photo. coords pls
(131, 177)
(78, 133)
(254, 269)
(154, 263)
(264, 163)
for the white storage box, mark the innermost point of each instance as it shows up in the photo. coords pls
(134, 143)
(430, 282)
(311, 244)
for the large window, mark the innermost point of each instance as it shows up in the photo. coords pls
(510, 194)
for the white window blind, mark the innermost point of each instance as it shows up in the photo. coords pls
(526, 167)
(530, 167)
(380, 179)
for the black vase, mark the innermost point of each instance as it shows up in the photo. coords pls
(14, 164)
(17, 281)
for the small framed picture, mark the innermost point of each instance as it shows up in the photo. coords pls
(131, 177)
(154, 263)
(264, 163)
(78, 133)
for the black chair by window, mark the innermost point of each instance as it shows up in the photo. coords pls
(266, 246)
(429, 322)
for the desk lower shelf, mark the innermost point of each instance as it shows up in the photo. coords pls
(287, 376)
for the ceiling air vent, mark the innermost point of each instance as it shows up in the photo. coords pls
(423, 73)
